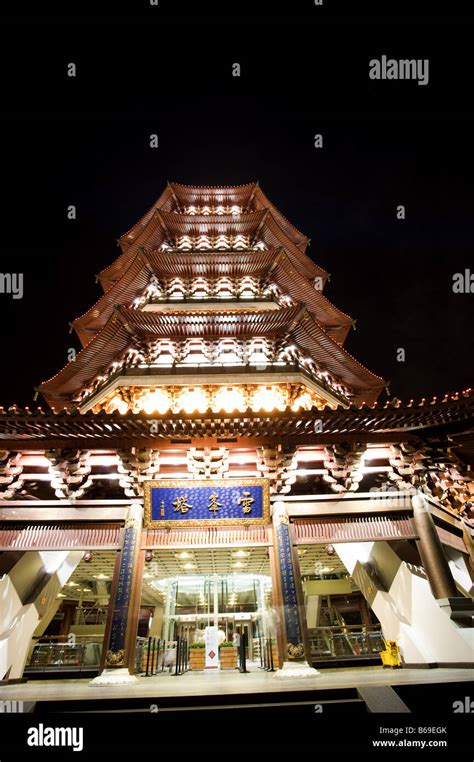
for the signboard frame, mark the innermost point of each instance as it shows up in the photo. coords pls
(186, 484)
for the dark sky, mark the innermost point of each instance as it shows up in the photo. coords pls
(86, 142)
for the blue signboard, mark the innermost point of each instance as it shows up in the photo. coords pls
(194, 502)
(116, 648)
(290, 602)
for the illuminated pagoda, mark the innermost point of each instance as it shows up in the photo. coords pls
(213, 362)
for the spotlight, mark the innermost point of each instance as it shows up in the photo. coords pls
(330, 550)
(149, 556)
(87, 556)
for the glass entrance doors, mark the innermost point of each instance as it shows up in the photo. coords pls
(235, 603)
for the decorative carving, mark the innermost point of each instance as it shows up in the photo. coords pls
(10, 474)
(69, 472)
(435, 469)
(136, 466)
(296, 651)
(208, 462)
(115, 658)
(344, 466)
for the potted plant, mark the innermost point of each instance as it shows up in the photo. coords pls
(197, 655)
(228, 655)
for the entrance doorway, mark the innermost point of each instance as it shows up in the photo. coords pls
(185, 591)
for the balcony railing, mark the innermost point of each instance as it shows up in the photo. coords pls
(346, 642)
(48, 655)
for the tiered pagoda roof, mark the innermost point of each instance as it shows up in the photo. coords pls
(211, 233)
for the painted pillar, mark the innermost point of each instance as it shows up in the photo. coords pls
(431, 551)
(296, 643)
(124, 607)
(277, 626)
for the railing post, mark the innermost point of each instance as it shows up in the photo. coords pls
(148, 658)
(243, 642)
(158, 655)
(272, 668)
(178, 643)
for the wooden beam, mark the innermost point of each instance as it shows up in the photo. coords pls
(157, 442)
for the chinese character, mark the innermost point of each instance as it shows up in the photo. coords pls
(181, 504)
(162, 508)
(214, 504)
(246, 501)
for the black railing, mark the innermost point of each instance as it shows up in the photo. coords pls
(346, 642)
(54, 654)
(181, 665)
(155, 656)
(243, 653)
(266, 654)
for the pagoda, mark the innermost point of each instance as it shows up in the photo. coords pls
(214, 411)
(212, 304)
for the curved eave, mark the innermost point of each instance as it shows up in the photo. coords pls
(164, 201)
(134, 280)
(177, 225)
(261, 201)
(125, 325)
(286, 275)
(272, 234)
(163, 264)
(213, 194)
(163, 226)
(152, 235)
(393, 417)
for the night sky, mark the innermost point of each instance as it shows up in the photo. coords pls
(85, 141)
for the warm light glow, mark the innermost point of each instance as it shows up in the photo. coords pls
(189, 566)
(162, 399)
(156, 401)
(117, 403)
(193, 400)
(303, 401)
(229, 400)
(266, 398)
(184, 555)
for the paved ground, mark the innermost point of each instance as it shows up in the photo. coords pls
(257, 681)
